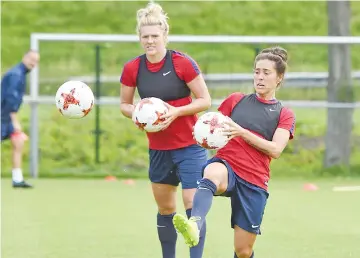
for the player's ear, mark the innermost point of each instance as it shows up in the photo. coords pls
(166, 40)
(280, 78)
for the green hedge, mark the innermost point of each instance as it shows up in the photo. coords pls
(67, 146)
(61, 59)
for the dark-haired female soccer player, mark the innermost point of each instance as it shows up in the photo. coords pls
(260, 128)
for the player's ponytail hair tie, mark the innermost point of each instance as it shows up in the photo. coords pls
(277, 51)
(153, 14)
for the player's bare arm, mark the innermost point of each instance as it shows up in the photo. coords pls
(127, 100)
(272, 148)
(202, 97)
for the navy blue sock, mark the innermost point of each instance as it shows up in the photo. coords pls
(252, 255)
(167, 235)
(197, 251)
(203, 200)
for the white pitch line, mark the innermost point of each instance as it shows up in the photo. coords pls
(346, 188)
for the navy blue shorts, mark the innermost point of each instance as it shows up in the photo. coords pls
(174, 166)
(6, 130)
(248, 201)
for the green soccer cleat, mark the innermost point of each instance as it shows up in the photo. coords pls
(188, 228)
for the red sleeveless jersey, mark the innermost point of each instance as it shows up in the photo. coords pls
(249, 163)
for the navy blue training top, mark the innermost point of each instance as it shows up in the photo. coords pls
(13, 86)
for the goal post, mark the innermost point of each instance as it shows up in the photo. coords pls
(36, 38)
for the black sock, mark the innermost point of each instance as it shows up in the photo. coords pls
(252, 255)
(203, 200)
(197, 251)
(167, 235)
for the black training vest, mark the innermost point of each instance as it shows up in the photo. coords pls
(164, 84)
(256, 116)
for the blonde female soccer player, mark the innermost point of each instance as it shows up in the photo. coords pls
(174, 156)
(260, 128)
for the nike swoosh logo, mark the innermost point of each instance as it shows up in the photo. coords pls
(164, 74)
(253, 226)
(204, 188)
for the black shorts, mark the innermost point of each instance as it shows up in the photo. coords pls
(248, 201)
(174, 166)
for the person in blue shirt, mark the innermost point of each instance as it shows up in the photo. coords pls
(13, 86)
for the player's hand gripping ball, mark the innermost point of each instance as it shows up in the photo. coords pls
(74, 99)
(147, 114)
(208, 131)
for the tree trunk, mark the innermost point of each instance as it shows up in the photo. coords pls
(339, 89)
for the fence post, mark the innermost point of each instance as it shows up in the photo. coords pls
(97, 131)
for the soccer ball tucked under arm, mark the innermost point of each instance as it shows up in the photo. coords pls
(74, 99)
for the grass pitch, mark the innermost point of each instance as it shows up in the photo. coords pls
(94, 218)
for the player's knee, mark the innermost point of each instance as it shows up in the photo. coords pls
(213, 176)
(243, 251)
(217, 173)
(17, 143)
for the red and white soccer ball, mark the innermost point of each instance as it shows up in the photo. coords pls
(208, 131)
(147, 114)
(74, 99)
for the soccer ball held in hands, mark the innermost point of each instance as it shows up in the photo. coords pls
(208, 131)
(147, 113)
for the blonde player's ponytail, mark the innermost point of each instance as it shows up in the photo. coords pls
(153, 14)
